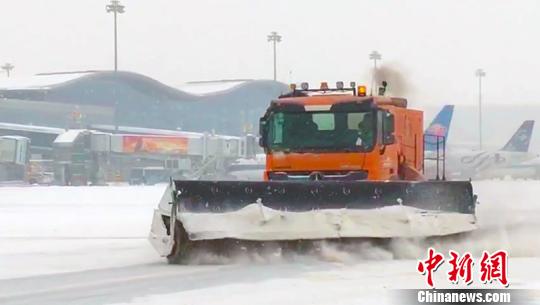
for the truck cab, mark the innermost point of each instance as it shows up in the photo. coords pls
(339, 134)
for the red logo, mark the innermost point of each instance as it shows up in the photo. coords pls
(437, 130)
(430, 265)
(461, 267)
(492, 267)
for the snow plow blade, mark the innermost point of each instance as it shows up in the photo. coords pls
(193, 211)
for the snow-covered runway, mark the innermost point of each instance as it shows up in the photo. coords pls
(87, 245)
(61, 229)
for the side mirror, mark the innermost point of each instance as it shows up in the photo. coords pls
(262, 132)
(388, 128)
(262, 142)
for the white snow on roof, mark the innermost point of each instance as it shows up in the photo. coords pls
(147, 131)
(69, 136)
(39, 81)
(153, 131)
(18, 138)
(202, 88)
(32, 128)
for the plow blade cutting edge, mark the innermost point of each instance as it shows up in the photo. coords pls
(195, 211)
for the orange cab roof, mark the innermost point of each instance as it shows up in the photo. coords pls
(331, 99)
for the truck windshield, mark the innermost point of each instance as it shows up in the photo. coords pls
(321, 131)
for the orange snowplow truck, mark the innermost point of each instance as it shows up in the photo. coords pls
(342, 137)
(340, 165)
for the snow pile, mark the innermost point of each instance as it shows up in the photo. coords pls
(257, 222)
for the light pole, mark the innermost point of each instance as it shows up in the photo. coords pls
(7, 67)
(116, 8)
(274, 37)
(480, 73)
(374, 56)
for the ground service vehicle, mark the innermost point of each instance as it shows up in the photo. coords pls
(339, 165)
(14, 157)
(149, 175)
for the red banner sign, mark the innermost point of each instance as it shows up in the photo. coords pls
(155, 144)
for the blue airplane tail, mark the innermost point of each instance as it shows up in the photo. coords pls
(439, 127)
(521, 139)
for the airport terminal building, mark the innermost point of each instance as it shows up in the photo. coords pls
(111, 99)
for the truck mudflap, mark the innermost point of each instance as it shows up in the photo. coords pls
(206, 211)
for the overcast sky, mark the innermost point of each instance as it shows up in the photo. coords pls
(435, 45)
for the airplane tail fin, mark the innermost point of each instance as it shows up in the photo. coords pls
(439, 127)
(521, 139)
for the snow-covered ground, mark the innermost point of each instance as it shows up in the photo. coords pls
(60, 229)
(87, 245)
